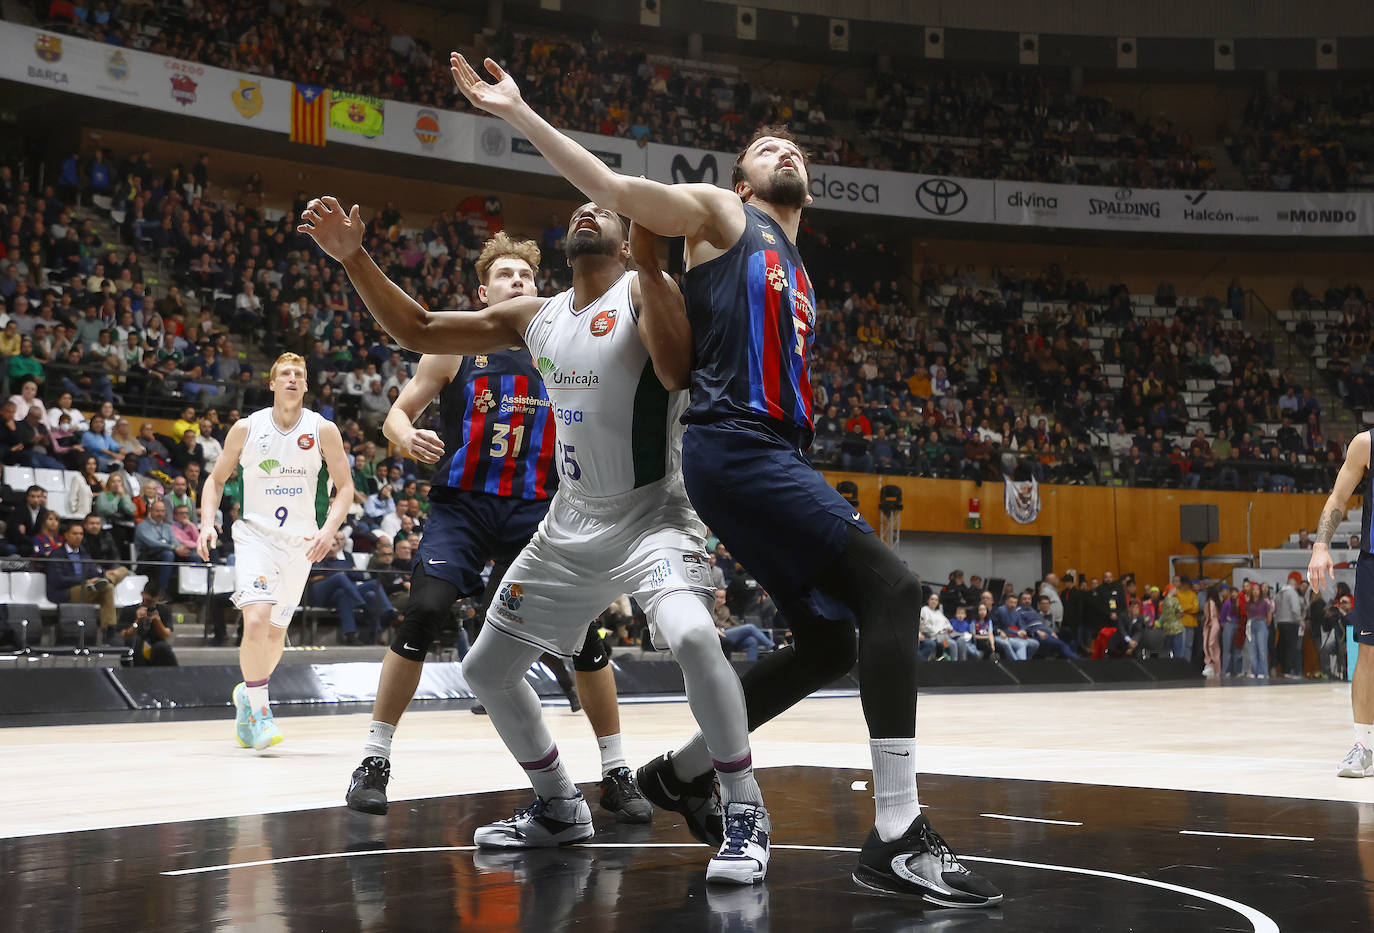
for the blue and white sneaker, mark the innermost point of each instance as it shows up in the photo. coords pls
(1359, 763)
(263, 728)
(243, 731)
(558, 821)
(743, 856)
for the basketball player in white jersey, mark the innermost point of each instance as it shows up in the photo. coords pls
(620, 521)
(278, 451)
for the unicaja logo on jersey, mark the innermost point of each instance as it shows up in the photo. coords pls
(560, 379)
(274, 468)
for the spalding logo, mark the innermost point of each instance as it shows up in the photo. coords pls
(603, 323)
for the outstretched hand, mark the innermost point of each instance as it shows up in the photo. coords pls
(499, 99)
(338, 232)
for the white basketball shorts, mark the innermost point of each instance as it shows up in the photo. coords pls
(588, 552)
(269, 569)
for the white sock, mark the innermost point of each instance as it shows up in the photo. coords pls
(739, 786)
(691, 760)
(257, 696)
(611, 755)
(549, 777)
(1364, 734)
(378, 744)
(894, 785)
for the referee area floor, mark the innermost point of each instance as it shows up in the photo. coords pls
(1190, 808)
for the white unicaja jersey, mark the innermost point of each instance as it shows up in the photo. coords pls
(618, 427)
(280, 471)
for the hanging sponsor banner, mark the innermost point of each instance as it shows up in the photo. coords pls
(356, 113)
(1021, 499)
(498, 145)
(1150, 210)
(94, 69)
(837, 188)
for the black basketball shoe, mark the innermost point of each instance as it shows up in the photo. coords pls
(620, 796)
(921, 864)
(367, 789)
(697, 800)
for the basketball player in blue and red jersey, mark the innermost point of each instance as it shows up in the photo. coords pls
(492, 485)
(752, 316)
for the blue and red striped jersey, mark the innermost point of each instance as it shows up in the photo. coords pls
(498, 430)
(753, 317)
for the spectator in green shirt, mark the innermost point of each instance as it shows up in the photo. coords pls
(24, 366)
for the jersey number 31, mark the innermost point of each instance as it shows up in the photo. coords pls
(507, 440)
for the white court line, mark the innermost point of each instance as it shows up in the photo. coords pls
(1260, 921)
(1029, 819)
(1198, 832)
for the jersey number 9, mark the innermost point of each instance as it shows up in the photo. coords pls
(280, 515)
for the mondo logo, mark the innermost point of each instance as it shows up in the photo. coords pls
(305, 441)
(603, 323)
(941, 197)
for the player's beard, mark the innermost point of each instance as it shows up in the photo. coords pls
(599, 245)
(784, 189)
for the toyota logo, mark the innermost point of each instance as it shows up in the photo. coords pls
(941, 197)
(1124, 194)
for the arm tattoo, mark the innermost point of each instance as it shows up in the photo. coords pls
(1326, 527)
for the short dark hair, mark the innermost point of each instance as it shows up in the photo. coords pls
(34, 489)
(777, 131)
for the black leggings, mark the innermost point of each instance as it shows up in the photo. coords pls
(885, 597)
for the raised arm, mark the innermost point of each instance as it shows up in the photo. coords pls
(698, 212)
(1352, 471)
(340, 234)
(433, 374)
(663, 324)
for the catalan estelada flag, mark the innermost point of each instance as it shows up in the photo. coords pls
(309, 114)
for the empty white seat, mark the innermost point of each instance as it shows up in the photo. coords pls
(4, 588)
(30, 589)
(360, 560)
(196, 580)
(54, 481)
(129, 591)
(18, 477)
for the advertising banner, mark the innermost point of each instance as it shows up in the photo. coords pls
(498, 145)
(127, 76)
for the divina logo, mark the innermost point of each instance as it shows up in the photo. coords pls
(1029, 199)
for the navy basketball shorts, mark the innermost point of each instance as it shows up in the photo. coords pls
(462, 535)
(1363, 615)
(775, 514)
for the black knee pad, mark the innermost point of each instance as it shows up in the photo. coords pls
(594, 654)
(431, 600)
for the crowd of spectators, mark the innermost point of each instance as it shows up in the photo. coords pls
(1307, 139)
(902, 392)
(1018, 124)
(1253, 631)
(1022, 125)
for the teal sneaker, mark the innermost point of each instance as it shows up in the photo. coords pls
(263, 728)
(242, 730)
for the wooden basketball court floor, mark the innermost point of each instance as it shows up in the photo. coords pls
(1170, 808)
